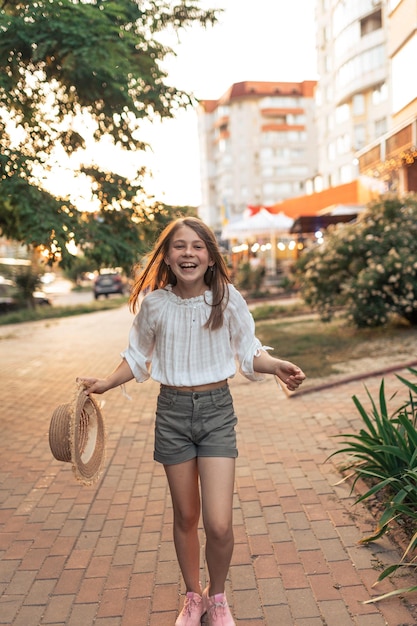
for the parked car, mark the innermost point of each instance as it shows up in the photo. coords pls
(109, 282)
(40, 298)
(10, 298)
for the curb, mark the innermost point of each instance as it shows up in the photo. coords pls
(351, 379)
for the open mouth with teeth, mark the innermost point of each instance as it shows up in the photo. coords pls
(188, 266)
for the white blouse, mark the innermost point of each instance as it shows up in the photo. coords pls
(168, 340)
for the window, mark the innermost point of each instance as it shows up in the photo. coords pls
(283, 189)
(345, 174)
(371, 22)
(266, 154)
(297, 153)
(331, 152)
(381, 127)
(223, 145)
(318, 183)
(403, 87)
(295, 135)
(329, 122)
(333, 180)
(329, 93)
(380, 94)
(359, 133)
(279, 102)
(269, 189)
(297, 170)
(358, 104)
(296, 119)
(347, 11)
(267, 172)
(343, 143)
(222, 111)
(267, 138)
(342, 113)
(282, 153)
(359, 65)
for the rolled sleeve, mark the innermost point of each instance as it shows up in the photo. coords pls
(242, 332)
(138, 364)
(139, 352)
(246, 364)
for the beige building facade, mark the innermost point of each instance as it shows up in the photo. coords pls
(392, 158)
(268, 143)
(353, 96)
(257, 146)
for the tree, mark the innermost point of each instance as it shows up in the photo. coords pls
(368, 267)
(99, 61)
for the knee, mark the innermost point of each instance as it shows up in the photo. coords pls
(186, 520)
(220, 532)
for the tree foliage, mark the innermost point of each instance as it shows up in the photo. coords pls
(369, 267)
(100, 61)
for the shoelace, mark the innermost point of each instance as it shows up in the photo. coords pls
(217, 605)
(191, 604)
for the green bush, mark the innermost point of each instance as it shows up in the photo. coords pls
(250, 278)
(368, 267)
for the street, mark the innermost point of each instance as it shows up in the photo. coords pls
(103, 555)
(61, 293)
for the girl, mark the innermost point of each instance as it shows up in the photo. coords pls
(192, 325)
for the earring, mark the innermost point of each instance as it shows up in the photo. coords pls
(211, 268)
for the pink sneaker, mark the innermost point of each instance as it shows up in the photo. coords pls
(192, 610)
(218, 611)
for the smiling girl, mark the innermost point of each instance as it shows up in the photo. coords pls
(191, 329)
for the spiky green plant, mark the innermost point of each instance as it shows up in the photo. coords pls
(384, 454)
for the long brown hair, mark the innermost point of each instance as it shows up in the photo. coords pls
(157, 274)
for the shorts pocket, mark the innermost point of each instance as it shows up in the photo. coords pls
(165, 401)
(223, 399)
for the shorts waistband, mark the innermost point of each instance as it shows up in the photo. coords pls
(198, 388)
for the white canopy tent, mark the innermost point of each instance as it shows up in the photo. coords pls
(262, 223)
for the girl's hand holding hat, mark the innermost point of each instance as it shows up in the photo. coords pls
(93, 385)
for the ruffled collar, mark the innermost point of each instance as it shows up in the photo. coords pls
(205, 297)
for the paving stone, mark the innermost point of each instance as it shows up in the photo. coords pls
(104, 556)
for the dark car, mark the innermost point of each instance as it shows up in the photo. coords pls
(10, 300)
(109, 282)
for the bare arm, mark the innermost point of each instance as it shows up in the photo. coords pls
(122, 374)
(291, 375)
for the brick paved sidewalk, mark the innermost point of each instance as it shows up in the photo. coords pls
(104, 556)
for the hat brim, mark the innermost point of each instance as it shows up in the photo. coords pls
(77, 435)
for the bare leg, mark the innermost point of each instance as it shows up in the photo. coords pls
(217, 480)
(185, 494)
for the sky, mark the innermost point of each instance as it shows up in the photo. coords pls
(266, 40)
(261, 40)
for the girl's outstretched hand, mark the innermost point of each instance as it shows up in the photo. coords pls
(291, 375)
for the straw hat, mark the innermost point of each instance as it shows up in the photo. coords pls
(77, 436)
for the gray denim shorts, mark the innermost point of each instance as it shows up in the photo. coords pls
(191, 424)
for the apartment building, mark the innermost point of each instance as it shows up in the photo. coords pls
(257, 146)
(352, 95)
(392, 158)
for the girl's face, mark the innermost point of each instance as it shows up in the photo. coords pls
(188, 256)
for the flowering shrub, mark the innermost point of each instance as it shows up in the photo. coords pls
(369, 267)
